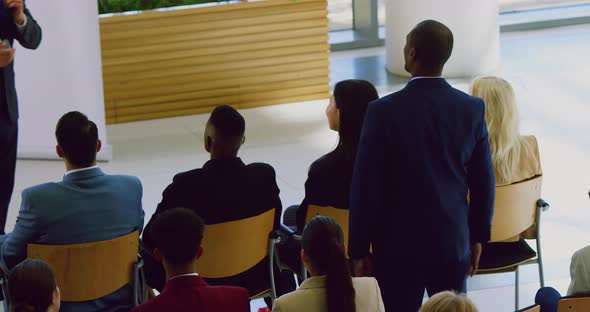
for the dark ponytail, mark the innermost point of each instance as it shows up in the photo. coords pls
(30, 286)
(323, 243)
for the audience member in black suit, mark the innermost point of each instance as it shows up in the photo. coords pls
(328, 181)
(32, 287)
(225, 189)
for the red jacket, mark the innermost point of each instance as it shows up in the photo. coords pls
(191, 293)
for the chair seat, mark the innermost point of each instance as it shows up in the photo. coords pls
(498, 256)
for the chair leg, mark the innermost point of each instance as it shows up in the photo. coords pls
(541, 273)
(271, 251)
(516, 290)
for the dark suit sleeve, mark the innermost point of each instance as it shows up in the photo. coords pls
(482, 185)
(30, 36)
(310, 187)
(170, 199)
(275, 198)
(366, 190)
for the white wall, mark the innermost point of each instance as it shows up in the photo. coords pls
(63, 74)
(474, 24)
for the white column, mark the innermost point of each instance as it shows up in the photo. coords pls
(474, 24)
(63, 74)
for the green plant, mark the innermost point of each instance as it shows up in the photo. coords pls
(116, 6)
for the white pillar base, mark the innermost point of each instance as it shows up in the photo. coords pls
(474, 24)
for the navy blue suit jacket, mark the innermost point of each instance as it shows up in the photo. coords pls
(422, 150)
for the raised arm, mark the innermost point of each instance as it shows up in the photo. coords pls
(30, 35)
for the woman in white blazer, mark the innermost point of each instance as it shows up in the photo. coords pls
(331, 288)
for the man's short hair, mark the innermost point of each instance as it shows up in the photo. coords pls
(228, 122)
(433, 42)
(178, 234)
(78, 138)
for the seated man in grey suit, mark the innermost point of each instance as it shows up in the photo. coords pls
(87, 206)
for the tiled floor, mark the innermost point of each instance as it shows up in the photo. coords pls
(548, 69)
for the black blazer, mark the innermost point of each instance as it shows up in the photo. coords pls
(422, 150)
(223, 190)
(328, 184)
(30, 38)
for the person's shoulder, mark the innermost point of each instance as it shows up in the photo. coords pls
(230, 291)
(364, 282)
(124, 181)
(187, 175)
(41, 190)
(261, 168)
(581, 254)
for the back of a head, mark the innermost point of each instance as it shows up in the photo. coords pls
(502, 120)
(448, 301)
(31, 285)
(433, 42)
(352, 100)
(178, 234)
(227, 122)
(77, 136)
(323, 243)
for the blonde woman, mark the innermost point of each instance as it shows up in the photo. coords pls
(448, 301)
(515, 157)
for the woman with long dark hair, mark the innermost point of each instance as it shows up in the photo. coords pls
(330, 287)
(32, 287)
(329, 177)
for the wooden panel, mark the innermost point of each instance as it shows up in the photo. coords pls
(169, 63)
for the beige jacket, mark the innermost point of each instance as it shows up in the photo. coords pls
(311, 296)
(580, 273)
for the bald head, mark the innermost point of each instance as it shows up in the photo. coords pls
(429, 46)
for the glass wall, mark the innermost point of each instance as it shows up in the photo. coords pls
(523, 5)
(340, 14)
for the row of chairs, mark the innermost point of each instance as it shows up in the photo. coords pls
(517, 214)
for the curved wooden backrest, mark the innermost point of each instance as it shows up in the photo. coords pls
(90, 271)
(581, 304)
(339, 215)
(535, 308)
(233, 247)
(515, 209)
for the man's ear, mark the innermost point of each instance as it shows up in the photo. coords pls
(199, 252)
(243, 140)
(208, 143)
(59, 151)
(98, 146)
(158, 255)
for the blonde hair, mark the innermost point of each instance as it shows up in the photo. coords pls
(448, 301)
(502, 118)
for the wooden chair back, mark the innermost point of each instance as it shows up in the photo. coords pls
(535, 308)
(339, 215)
(90, 271)
(581, 304)
(233, 247)
(515, 209)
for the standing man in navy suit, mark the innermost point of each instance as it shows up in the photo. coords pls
(16, 22)
(423, 151)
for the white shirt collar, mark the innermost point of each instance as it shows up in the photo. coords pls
(425, 77)
(78, 170)
(183, 275)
